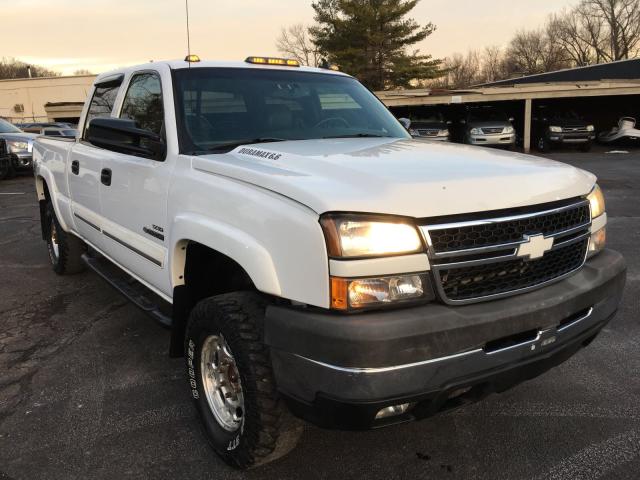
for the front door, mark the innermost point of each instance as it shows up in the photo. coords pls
(134, 203)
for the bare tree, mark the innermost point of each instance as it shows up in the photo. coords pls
(13, 68)
(83, 71)
(534, 51)
(622, 21)
(294, 42)
(493, 65)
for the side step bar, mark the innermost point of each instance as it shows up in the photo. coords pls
(133, 290)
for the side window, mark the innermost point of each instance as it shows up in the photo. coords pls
(102, 101)
(143, 102)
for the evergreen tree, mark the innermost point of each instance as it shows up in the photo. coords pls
(369, 40)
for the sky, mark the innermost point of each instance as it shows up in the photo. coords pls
(100, 35)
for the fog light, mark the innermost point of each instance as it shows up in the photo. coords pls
(597, 242)
(394, 410)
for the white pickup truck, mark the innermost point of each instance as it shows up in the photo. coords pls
(309, 257)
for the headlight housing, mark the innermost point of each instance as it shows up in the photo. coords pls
(361, 236)
(596, 201)
(443, 133)
(476, 131)
(555, 129)
(598, 238)
(591, 128)
(508, 130)
(17, 146)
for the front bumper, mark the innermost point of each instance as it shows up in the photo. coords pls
(498, 139)
(571, 138)
(22, 161)
(339, 371)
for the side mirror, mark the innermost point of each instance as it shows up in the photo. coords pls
(406, 123)
(463, 122)
(123, 136)
(449, 122)
(511, 119)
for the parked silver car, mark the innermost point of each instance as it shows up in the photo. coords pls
(490, 126)
(19, 146)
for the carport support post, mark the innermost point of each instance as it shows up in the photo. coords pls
(527, 125)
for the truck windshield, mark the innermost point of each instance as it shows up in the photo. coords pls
(220, 108)
(6, 127)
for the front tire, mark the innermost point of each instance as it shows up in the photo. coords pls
(65, 249)
(543, 145)
(232, 384)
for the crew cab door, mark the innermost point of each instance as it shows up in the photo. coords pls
(134, 196)
(84, 165)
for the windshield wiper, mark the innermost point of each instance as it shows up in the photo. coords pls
(231, 145)
(360, 135)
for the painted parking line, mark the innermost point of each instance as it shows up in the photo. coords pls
(11, 193)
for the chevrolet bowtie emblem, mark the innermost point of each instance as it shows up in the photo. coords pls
(534, 246)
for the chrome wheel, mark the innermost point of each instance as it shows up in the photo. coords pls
(221, 383)
(55, 247)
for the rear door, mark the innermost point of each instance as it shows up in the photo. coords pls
(85, 165)
(134, 204)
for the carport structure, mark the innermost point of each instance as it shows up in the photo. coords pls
(606, 91)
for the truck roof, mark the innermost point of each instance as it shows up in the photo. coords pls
(180, 64)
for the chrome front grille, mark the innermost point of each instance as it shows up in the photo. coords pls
(502, 255)
(428, 132)
(492, 130)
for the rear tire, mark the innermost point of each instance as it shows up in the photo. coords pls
(244, 418)
(65, 249)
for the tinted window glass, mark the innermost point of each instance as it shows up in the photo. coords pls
(6, 127)
(143, 102)
(219, 106)
(103, 100)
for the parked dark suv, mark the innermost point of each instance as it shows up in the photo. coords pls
(561, 127)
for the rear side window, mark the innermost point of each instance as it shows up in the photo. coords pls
(103, 99)
(143, 102)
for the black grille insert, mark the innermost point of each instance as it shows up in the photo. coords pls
(475, 282)
(491, 234)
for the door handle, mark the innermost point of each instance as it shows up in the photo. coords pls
(75, 167)
(105, 176)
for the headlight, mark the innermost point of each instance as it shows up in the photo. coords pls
(359, 293)
(16, 146)
(591, 128)
(359, 236)
(443, 133)
(555, 129)
(476, 131)
(596, 199)
(508, 130)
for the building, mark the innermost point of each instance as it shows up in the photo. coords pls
(601, 93)
(44, 99)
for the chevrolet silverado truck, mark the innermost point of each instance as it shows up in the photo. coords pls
(311, 260)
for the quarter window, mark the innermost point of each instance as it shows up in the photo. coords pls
(143, 102)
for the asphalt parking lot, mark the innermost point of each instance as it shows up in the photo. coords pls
(87, 389)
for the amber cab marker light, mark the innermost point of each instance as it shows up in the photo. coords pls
(339, 298)
(192, 58)
(285, 62)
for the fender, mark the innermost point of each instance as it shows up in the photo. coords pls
(232, 242)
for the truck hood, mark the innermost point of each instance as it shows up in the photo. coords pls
(396, 176)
